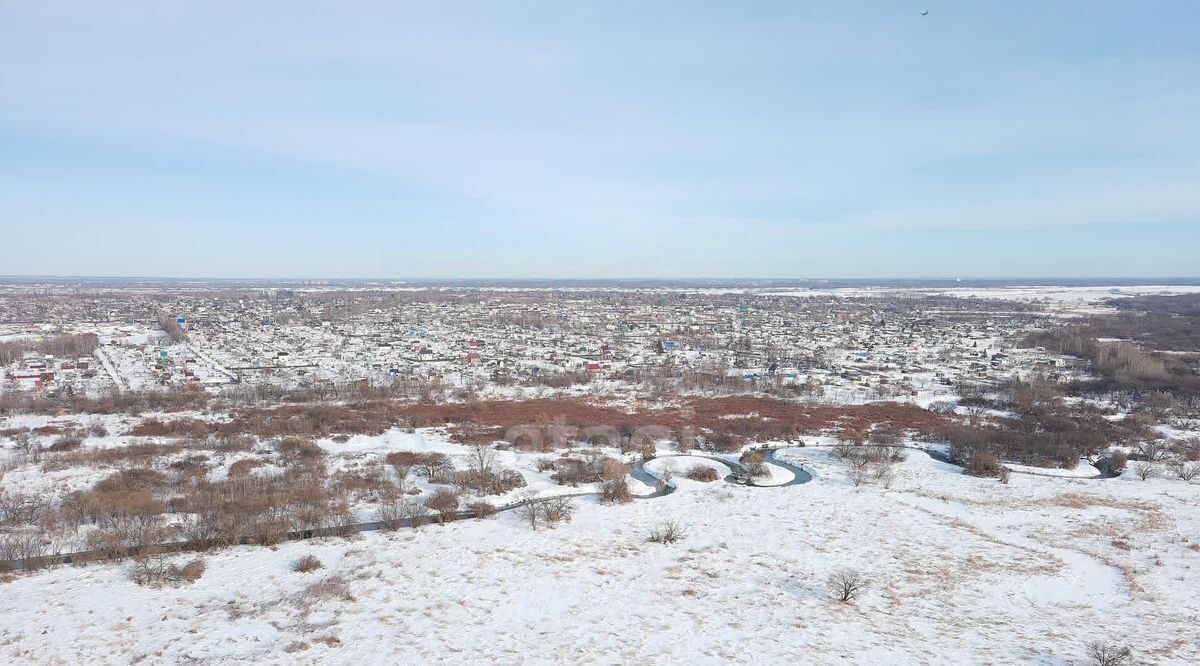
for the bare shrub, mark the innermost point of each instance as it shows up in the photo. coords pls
(395, 511)
(615, 491)
(754, 464)
(306, 564)
(722, 443)
(615, 487)
(942, 407)
(483, 509)
(297, 451)
(433, 466)
(245, 466)
(703, 473)
(586, 467)
(846, 584)
(155, 570)
(67, 442)
(17, 508)
(982, 463)
(444, 502)
(557, 509)
(1107, 654)
(667, 532)
(1116, 461)
(327, 589)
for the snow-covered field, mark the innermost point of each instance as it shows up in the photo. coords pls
(962, 571)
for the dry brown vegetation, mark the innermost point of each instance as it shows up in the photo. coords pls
(550, 423)
(701, 472)
(156, 570)
(306, 564)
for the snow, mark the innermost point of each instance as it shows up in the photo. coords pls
(963, 570)
(1083, 469)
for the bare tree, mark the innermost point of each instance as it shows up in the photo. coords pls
(1105, 654)
(1152, 450)
(529, 509)
(482, 467)
(1144, 470)
(846, 584)
(1186, 470)
(857, 475)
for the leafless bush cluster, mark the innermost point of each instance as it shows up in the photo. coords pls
(724, 442)
(548, 510)
(483, 509)
(444, 503)
(306, 564)
(397, 511)
(484, 476)
(1152, 450)
(588, 466)
(123, 402)
(156, 569)
(702, 472)
(615, 487)
(435, 467)
(180, 427)
(755, 464)
(982, 463)
(667, 532)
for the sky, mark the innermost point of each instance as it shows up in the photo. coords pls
(560, 139)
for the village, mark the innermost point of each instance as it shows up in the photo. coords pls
(463, 343)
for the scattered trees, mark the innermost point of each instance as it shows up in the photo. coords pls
(551, 510)
(397, 510)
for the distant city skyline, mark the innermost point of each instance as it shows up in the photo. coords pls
(666, 140)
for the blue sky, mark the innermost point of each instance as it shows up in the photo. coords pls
(600, 139)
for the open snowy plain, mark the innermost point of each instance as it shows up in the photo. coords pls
(961, 569)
